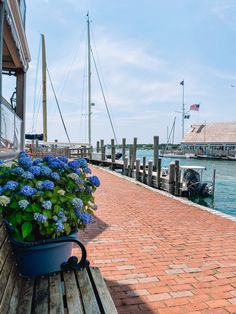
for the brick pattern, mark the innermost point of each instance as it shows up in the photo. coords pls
(159, 255)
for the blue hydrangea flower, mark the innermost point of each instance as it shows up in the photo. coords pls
(23, 204)
(17, 170)
(48, 158)
(27, 175)
(36, 170)
(40, 217)
(25, 162)
(63, 158)
(11, 185)
(55, 176)
(48, 185)
(23, 154)
(56, 163)
(78, 171)
(84, 217)
(74, 164)
(1, 161)
(62, 215)
(94, 181)
(60, 226)
(37, 161)
(47, 204)
(87, 170)
(83, 163)
(45, 171)
(28, 190)
(77, 203)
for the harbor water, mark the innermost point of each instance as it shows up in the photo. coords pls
(225, 188)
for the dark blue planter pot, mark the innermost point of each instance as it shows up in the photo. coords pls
(42, 257)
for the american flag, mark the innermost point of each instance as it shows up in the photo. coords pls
(195, 107)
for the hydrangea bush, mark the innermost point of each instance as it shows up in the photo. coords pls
(46, 198)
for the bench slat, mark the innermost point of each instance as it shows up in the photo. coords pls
(5, 273)
(13, 308)
(106, 299)
(87, 293)
(4, 252)
(41, 295)
(72, 294)
(5, 302)
(26, 297)
(56, 295)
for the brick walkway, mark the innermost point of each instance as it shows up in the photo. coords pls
(159, 255)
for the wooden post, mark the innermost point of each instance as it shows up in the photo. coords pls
(125, 166)
(171, 177)
(177, 177)
(103, 157)
(134, 153)
(113, 152)
(98, 148)
(213, 181)
(138, 169)
(130, 160)
(144, 170)
(123, 148)
(156, 152)
(159, 173)
(150, 169)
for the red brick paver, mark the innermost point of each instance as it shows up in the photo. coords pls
(159, 255)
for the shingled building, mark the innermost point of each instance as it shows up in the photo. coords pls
(217, 138)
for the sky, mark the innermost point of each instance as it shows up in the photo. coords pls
(143, 49)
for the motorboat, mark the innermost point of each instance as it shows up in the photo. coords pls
(192, 183)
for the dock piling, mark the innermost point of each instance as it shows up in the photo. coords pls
(138, 169)
(150, 170)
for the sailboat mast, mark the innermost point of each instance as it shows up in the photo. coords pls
(89, 81)
(183, 111)
(45, 135)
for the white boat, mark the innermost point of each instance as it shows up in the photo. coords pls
(192, 184)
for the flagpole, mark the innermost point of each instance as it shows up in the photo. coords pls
(183, 111)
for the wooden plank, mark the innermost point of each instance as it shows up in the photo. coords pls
(87, 293)
(5, 302)
(103, 292)
(26, 297)
(15, 295)
(56, 305)
(4, 252)
(41, 296)
(5, 273)
(73, 300)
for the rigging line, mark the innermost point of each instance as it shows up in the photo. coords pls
(74, 55)
(38, 106)
(104, 98)
(58, 105)
(35, 85)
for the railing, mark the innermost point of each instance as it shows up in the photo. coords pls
(11, 129)
(55, 149)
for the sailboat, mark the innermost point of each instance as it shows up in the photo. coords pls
(44, 135)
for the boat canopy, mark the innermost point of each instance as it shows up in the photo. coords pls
(193, 167)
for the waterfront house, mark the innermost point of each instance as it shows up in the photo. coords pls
(218, 139)
(14, 60)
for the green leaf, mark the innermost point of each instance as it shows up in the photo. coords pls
(27, 216)
(26, 229)
(67, 228)
(18, 218)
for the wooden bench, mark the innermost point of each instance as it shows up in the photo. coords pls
(77, 291)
